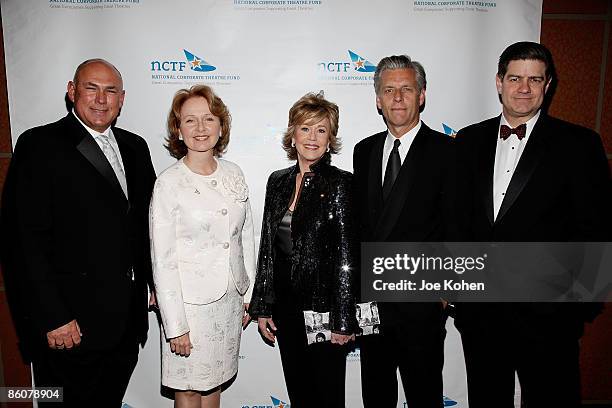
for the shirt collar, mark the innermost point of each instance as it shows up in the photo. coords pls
(405, 139)
(409, 135)
(92, 132)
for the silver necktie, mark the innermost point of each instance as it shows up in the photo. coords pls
(113, 159)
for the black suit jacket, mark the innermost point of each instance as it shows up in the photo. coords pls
(73, 237)
(418, 210)
(559, 192)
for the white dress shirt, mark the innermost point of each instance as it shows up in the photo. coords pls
(406, 141)
(507, 155)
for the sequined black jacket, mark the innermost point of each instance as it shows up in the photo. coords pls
(324, 265)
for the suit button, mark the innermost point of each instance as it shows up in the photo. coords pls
(225, 245)
(214, 183)
(224, 211)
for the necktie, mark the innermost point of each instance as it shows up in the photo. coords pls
(393, 168)
(113, 159)
(519, 131)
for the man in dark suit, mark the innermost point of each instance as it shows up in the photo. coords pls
(402, 178)
(75, 215)
(525, 176)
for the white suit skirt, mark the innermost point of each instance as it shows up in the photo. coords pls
(214, 331)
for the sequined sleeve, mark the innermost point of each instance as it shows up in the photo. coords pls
(261, 302)
(343, 318)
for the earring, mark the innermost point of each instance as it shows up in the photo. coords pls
(327, 148)
(292, 143)
(180, 136)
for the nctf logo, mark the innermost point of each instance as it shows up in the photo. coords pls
(356, 70)
(198, 64)
(194, 63)
(449, 131)
(193, 69)
(277, 403)
(357, 63)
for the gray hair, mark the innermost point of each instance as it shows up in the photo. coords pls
(400, 62)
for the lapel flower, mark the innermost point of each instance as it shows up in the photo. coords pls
(235, 186)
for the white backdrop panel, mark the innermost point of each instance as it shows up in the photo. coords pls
(267, 54)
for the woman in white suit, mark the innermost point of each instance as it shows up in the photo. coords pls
(203, 251)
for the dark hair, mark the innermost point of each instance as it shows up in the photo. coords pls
(312, 108)
(177, 147)
(400, 62)
(526, 50)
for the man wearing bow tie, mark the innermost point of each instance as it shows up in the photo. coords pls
(527, 177)
(402, 176)
(75, 212)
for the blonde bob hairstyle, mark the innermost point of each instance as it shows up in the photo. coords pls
(309, 109)
(177, 147)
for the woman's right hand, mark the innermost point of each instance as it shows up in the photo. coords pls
(267, 328)
(181, 345)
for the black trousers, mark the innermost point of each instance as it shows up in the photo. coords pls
(420, 367)
(314, 374)
(548, 371)
(88, 377)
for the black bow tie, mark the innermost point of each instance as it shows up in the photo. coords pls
(520, 131)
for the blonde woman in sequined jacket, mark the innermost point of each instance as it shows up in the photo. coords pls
(307, 256)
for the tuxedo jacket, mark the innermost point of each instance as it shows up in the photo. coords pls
(559, 192)
(75, 241)
(417, 210)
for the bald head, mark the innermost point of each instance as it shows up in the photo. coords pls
(101, 61)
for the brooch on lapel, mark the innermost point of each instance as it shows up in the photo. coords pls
(235, 186)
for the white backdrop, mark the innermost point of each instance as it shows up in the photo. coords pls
(265, 55)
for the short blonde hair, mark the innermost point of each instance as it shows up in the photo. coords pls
(177, 147)
(312, 108)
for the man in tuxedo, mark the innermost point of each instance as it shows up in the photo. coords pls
(77, 260)
(527, 177)
(402, 176)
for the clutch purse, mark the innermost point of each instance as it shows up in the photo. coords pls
(368, 318)
(317, 323)
(317, 326)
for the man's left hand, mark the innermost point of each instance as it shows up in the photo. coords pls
(65, 337)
